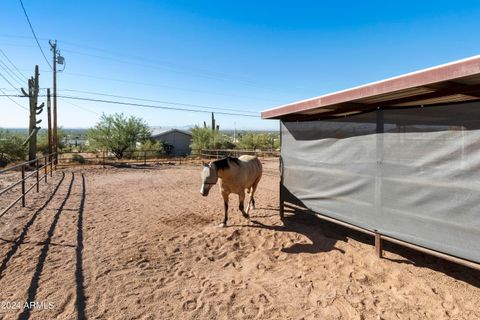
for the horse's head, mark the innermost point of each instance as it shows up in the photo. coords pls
(209, 178)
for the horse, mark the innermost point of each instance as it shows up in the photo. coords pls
(236, 175)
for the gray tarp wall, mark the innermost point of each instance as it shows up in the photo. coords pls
(412, 174)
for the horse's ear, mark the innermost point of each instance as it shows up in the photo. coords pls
(204, 164)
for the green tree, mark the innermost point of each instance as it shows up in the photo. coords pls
(117, 133)
(206, 138)
(11, 147)
(256, 141)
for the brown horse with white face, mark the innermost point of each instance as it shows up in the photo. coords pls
(236, 175)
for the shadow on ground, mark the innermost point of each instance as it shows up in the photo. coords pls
(324, 235)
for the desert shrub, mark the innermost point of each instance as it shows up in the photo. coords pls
(78, 158)
(205, 138)
(151, 148)
(263, 141)
(11, 147)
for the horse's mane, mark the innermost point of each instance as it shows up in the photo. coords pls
(222, 164)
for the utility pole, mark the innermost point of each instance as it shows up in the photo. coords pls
(35, 110)
(50, 138)
(57, 58)
(53, 45)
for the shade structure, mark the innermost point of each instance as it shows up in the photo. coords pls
(449, 83)
(400, 157)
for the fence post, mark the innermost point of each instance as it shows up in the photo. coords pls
(145, 158)
(38, 175)
(51, 167)
(23, 185)
(46, 169)
(378, 244)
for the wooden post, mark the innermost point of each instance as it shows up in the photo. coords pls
(51, 168)
(49, 116)
(55, 133)
(23, 185)
(53, 44)
(378, 244)
(282, 202)
(38, 175)
(145, 158)
(46, 168)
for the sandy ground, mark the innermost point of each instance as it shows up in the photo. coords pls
(137, 243)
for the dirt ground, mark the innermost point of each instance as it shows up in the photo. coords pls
(142, 243)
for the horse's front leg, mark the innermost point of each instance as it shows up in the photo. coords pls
(225, 207)
(241, 199)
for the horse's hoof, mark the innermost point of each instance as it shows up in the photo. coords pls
(222, 225)
(246, 216)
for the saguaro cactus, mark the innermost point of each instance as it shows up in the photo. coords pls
(213, 121)
(33, 88)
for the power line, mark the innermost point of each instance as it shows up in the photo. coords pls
(144, 105)
(152, 100)
(36, 39)
(164, 64)
(163, 86)
(80, 107)
(10, 73)
(1, 75)
(153, 106)
(160, 101)
(195, 73)
(167, 66)
(8, 96)
(13, 64)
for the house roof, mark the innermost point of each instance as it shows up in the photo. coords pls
(458, 81)
(162, 131)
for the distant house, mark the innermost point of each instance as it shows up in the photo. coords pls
(176, 142)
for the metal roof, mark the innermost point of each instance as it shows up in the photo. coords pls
(458, 81)
(162, 131)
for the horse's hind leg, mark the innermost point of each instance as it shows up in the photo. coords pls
(241, 199)
(251, 203)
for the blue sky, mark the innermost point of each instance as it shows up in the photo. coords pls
(241, 55)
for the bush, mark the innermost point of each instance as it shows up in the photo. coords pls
(78, 158)
(11, 147)
(253, 141)
(205, 138)
(152, 148)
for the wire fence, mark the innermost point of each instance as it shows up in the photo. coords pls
(34, 168)
(144, 157)
(220, 153)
